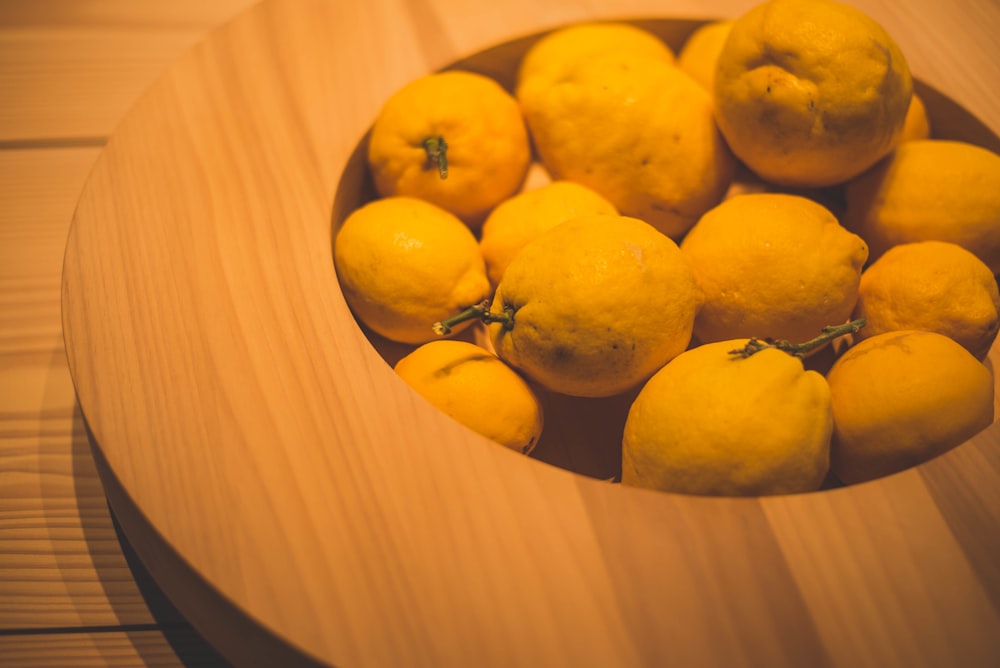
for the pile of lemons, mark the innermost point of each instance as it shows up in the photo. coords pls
(698, 229)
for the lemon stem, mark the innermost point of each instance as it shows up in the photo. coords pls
(830, 333)
(437, 153)
(480, 311)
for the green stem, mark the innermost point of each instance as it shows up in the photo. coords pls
(437, 153)
(480, 311)
(830, 333)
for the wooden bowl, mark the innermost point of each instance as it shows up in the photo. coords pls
(300, 504)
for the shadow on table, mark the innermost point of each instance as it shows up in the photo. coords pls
(99, 526)
(190, 648)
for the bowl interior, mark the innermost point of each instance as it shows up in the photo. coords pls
(584, 435)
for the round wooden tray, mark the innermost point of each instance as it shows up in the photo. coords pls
(299, 503)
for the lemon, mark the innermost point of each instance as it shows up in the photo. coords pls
(594, 306)
(700, 54)
(476, 388)
(554, 58)
(521, 218)
(637, 130)
(404, 264)
(772, 265)
(903, 398)
(930, 189)
(456, 139)
(933, 286)
(810, 92)
(714, 423)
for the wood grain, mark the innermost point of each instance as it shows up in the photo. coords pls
(275, 475)
(68, 71)
(38, 192)
(144, 648)
(136, 16)
(61, 564)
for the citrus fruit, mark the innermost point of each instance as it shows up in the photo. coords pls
(902, 398)
(456, 139)
(772, 265)
(476, 388)
(931, 189)
(934, 286)
(521, 218)
(700, 54)
(637, 130)
(716, 423)
(810, 92)
(554, 58)
(403, 264)
(594, 306)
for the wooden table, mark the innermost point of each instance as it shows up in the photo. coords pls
(69, 70)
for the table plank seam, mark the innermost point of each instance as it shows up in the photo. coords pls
(103, 628)
(34, 143)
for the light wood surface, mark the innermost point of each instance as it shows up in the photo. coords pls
(300, 503)
(69, 71)
(143, 648)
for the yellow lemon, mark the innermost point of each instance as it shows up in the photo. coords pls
(700, 54)
(456, 139)
(638, 131)
(518, 220)
(810, 92)
(404, 264)
(594, 306)
(476, 388)
(554, 58)
(772, 265)
(902, 398)
(930, 189)
(716, 423)
(917, 124)
(933, 286)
